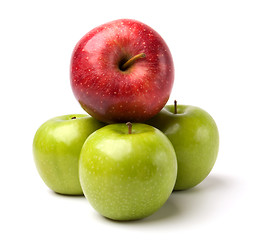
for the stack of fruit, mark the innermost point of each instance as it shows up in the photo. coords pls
(132, 152)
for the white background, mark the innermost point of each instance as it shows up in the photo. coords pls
(216, 47)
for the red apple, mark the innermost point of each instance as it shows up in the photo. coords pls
(122, 71)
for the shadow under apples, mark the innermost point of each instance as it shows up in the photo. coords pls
(183, 206)
(189, 204)
(65, 195)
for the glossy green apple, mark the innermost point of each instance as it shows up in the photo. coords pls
(194, 135)
(56, 149)
(127, 174)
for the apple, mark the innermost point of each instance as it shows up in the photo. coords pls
(127, 173)
(56, 149)
(195, 138)
(122, 71)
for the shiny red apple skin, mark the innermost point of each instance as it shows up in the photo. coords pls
(110, 94)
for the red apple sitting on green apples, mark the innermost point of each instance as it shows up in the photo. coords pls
(56, 149)
(125, 173)
(194, 136)
(122, 71)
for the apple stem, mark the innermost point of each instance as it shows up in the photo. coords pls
(73, 118)
(131, 61)
(175, 107)
(129, 127)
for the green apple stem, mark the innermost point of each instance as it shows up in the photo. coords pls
(175, 107)
(131, 61)
(73, 117)
(129, 127)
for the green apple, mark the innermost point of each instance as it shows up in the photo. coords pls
(194, 135)
(127, 174)
(56, 149)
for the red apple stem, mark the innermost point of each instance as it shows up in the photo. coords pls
(132, 60)
(129, 127)
(175, 107)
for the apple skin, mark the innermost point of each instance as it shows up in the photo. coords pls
(56, 149)
(105, 91)
(127, 176)
(195, 138)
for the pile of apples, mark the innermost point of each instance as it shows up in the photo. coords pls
(131, 151)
